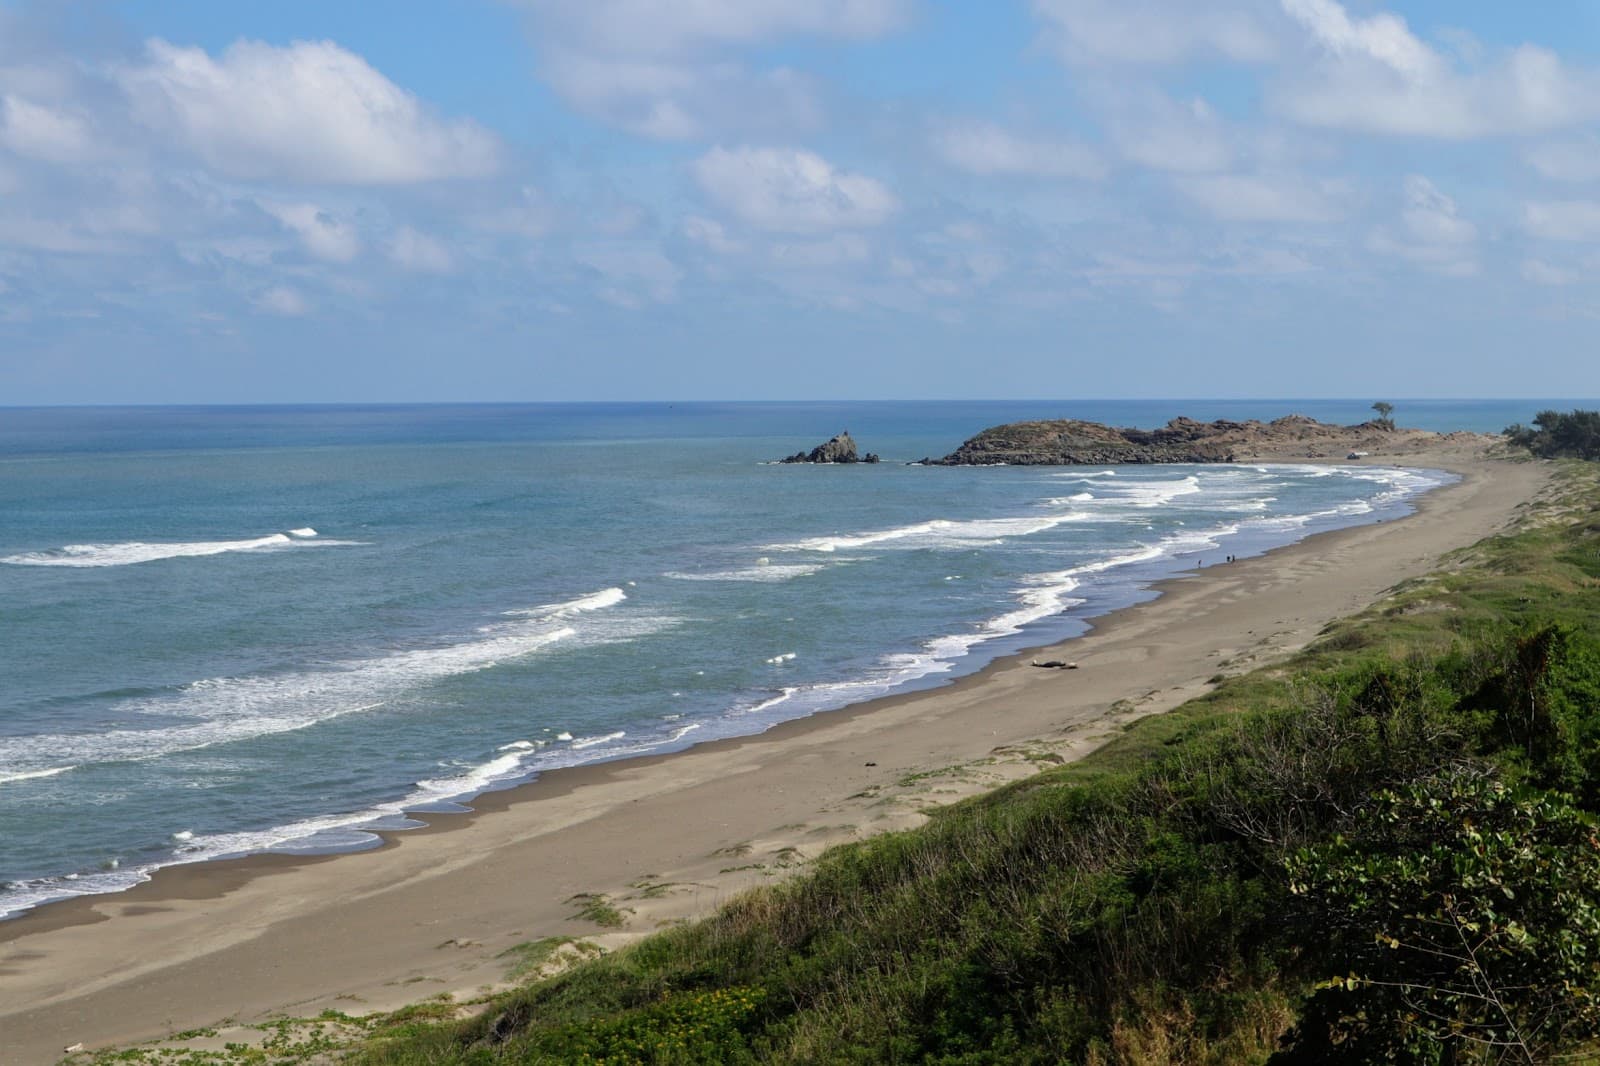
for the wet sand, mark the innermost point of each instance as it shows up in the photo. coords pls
(670, 837)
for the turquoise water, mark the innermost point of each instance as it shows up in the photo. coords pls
(228, 630)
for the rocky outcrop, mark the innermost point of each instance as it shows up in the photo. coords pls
(1066, 442)
(841, 449)
(1071, 441)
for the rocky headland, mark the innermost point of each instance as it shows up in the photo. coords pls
(840, 449)
(1067, 442)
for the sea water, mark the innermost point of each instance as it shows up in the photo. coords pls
(232, 630)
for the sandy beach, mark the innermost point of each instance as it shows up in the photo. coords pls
(670, 837)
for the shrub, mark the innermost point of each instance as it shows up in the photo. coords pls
(1461, 921)
(1555, 435)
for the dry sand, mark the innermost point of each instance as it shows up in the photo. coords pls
(671, 837)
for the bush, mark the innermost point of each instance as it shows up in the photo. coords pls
(1575, 435)
(686, 1028)
(1546, 698)
(1461, 921)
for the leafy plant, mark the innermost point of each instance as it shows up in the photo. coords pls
(683, 1028)
(1461, 922)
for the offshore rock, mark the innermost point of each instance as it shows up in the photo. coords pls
(840, 449)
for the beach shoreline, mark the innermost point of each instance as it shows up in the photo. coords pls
(433, 909)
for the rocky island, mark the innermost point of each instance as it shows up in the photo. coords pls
(1067, 442)
(839, 449)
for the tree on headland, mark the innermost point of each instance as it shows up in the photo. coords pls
(1385, 413)
(1555, 434)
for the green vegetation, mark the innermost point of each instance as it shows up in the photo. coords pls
(328, 1037)
(1385, 414)
(1384, 851)
(1467, 913)
(597, 908)
(531, 957)
(1555, 435)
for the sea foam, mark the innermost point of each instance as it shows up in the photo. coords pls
(1149, 493)
(594, 601)
(596, 741)
(940, 533)
(764, 573)
(32, 775)
(127, 553)
(517, 761)
(222, 710)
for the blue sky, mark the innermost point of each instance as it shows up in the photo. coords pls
(757, 199)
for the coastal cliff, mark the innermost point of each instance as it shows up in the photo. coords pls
(1067, 442)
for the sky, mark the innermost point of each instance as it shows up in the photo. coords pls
(545, 200)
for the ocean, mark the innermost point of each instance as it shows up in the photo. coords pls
(239, 629)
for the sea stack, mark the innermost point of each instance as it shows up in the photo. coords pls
(840, 449)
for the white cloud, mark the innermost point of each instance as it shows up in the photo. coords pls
(675, 100)
(53, 235)
(961, 251)
(986, 148)
(664, 70)
(417, 251)
(1575, 160)
(1270, 262)
(1383, 37)
(1563, 220)
(637, 272)
(1431, 216)
(1542, 273)
(838, 250)
(1375, 75)
(323, 235)
(791, 190)
(648, 27)
(251, 251)
(1431, 231)
(282, 300)
(532, 216)
(1156, 32)
(710, 233)
(119, 218)
(1267, 198)
(310, 112)
(45, 133)
(1154, 130)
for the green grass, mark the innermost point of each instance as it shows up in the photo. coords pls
(534, 955)
(598, 908)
